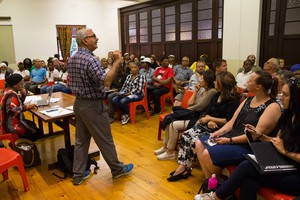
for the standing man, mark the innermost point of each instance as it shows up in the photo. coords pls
(87, 82)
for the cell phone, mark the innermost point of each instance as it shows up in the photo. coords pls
(52, 110)
(249, 136)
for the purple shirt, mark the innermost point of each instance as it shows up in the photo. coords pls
(86, 75)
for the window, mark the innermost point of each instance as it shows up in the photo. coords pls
(143, 27)
(132, 28)
(156, 25)
(204, 19)
(170, 25)
(186, 23)
(292, 18)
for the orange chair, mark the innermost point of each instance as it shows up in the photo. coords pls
(187, 95)
(8, 159)
(143, 102)
(11, 137)
(163, 98)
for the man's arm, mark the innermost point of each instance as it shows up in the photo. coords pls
(113, 71)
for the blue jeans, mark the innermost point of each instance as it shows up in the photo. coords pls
(121, 103)
(249, 180)
(56, 88)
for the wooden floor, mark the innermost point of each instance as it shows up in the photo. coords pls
(135, 143)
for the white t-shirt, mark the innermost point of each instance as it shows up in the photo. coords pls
(242, 79)
(63, 76)
(50, 75)
(22, 73)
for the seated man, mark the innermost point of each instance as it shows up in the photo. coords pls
(38, 77)
(162, 78)
(182, 74)
(254, 68)
(12, 108)
(195, 80)
(243, 77)
(203, 57)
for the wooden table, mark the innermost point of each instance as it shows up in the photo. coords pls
(63, 121)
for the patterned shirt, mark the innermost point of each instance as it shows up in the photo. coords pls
(148, 75)
(182, 74)
(135, 86)
(12, 117)
(86, 75)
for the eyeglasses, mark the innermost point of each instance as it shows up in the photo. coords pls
(91, 36)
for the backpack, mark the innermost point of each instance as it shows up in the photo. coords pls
(28, 151)
(65, 157)
(204, 189)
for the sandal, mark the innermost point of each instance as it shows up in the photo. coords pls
(205, 196)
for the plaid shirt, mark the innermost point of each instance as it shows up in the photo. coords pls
(86, 75)
(135, 86)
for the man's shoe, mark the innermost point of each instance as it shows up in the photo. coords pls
(160, 151)
(125, 119)
(126, 170)
(166, 156)
(79, 180)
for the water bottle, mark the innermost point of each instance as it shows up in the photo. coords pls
(212, 182)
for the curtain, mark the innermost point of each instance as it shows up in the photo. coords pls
(65, 38)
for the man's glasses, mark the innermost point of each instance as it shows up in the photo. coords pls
(91, 36)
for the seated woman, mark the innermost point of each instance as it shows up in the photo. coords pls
(132, 90)
(12, 108)
(287, 143)
(261, 111)
(221, 110)
(198, 103)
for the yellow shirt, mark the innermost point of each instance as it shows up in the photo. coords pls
(193, 67)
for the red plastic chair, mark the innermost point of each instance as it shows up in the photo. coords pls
(143, 102)
(11, 137)
(187, 95)
(8, 159)
(163, 98)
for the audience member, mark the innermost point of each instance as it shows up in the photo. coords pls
(243, 77)
(261, 111)
(10, 70)
(147, 72)
(27, 64)
(38, 77)
(171, 61)
(162, 79)
(195, 79)
(221, 109)
(87, 82)
(12, 108)
(197, 103)
(203, 58)
(272, 66)
(254, 68)
(154, 63)
(282, 64)
(182, 74)
(3, 71)
(109, 63)
(104, 64)
(246, 177)
(296, 70)
(51, 74)
(220, 65)
(132, 90)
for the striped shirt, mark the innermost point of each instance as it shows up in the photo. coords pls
(86, 75)
(135, 86)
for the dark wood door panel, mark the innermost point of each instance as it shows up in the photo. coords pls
(172, 49)
(145, 50)
(291, 51)
(186, 49)
(158, 50)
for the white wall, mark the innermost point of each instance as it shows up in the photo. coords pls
(241, 31)
(34, 23)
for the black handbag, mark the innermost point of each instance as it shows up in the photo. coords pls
(28, 151)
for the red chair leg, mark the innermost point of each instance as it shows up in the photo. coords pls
(22, 172)
(147, 111)
(5, 175)
(132, 110)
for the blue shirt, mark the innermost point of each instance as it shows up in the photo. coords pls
(86, 75)
(38, 75)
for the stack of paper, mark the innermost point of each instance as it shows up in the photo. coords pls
(56, 112)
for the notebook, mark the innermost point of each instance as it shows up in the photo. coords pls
(268, 160)
(45, 102)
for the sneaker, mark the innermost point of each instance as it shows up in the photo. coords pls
(205, 196)
(160, 151)
(166, 156)
(125, 119)
(154, 112)
(79, 180)
(127, 169)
